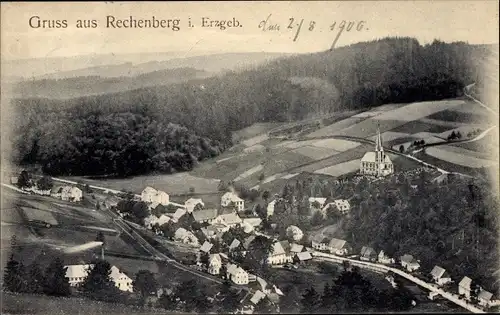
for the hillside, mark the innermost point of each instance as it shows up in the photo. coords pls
(360, 76)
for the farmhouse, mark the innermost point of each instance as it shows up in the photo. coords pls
(179, 213)
(206, 247)
(464, 287)
(191, 203)
(205, 216)
(235, 244)
(212, 231)
(230, 198)
(295, 233)
(484, 297)
(296, 248)
(214, 264)
(440, 276)
(183, 235)
(384, 259)
(229, 219)
(257, 297)
(338, 247)
(237, 274)
(151, 195)
(303, 256)
(376, 163)
(247, 227)
(76, 275)
(319, 242)
(409, 263)
(270, 208)
(280, 254)
(341, 205)
(67, 193)
(368, 254)
(254, 222)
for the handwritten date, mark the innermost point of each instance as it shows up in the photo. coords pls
(295, 26)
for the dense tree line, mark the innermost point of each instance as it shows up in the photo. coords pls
(169, 128)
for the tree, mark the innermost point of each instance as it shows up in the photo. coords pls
(56, 283)
(14, 278)
(193, 298)
(100, 238)
(266, 195)
(45, 183)
(192, 190)
(23, 180)
(228, 300)
(144, 283)
(310, 301)
(264, 306)
(317, 218)
(402, 148)
(35, 278)
(205, 259)
(98, 284)
(261, 176)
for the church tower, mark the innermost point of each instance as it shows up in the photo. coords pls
(379, 153)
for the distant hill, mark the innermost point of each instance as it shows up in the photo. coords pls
(95, 84)
(112, 65)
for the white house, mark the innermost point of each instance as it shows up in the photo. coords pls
(376, 163)
(280, 254)
(257, 297)
(191, 203)
(270, 208)
(179, 213)
(206, 247)
(319, 242)
(440, 275)
(338, 247)
(68, 193)
(183, 235)
(409, 263)
(254, 222)
(231, 197)
(214, 264)
(296, 248)
(368, 254)
(484, 297)
(316, 203)
(205, 215)
(151, 195)
(384, 259)
(229, 219)
(237, 274)
(76, 275)
(341, 205)
(295, 232)
(464, 287)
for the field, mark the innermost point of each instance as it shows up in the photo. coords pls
(487, 145)
(419, 125)
(341, 168)
(335, 127)
(314, 152)
(253, 131)
(458, 156)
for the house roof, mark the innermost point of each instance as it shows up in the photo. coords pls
(485, 295)
(77, 271)
(234, 244)
(215, 257)
(277, 290)
(193, 201)
(163, 219)
(231, 196)
(248, 240)
(116, 274)
(181, 232)
(319, 238)
(206, 247)
(437, 272)
(149, 190)
(286, 246)
(318, 199)
(465, 282)
(253, 221)
(278, 249)
(247, 227)
(336, 243)
(179, 213)
(233, 269)
(296, 248)
(259, 295)
(304, 256)
(368, 252)
(231, 218)
(294, 229)
(372, 156)
(203, 215)
(409, 259)
(262, 282)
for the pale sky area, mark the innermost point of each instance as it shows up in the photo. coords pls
(471, 21)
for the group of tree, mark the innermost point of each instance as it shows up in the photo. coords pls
(169, 128)
(351, 292)
(454, 135)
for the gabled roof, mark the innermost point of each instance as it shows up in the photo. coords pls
(304, 256)
(368, 252)
(231, 196)
(215, 257)
(163, 219)
(319, 238)
(248, 240)
(149, 190)
(465, 282)
(259, 295)
(179, 213)
(320, 200)
(77, 271)
(296, 248)
(485, 295)
(234, 244)
(407, 258)
(335, 243)
(286, 246)
(253, 221)
(203, 215)
(278, 249)
(437, 272)
(193, 201)
(231, 218)
(206, 247)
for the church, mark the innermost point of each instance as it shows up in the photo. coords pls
(376, 163)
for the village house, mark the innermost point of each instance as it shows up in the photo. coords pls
(235, 245)
(191, 203)
(440, 275)
(296, 248)
(368, 254)
(248, 241)
(270, 208)
(214, 264)
(14, 180)
(254, 222)
(247, 227)
(464, 287)
(230, 198)
(280, 255)
(36, 190)
(151, 195)
(295, 232)
(76, 275)
(316, 203)
(484, 297)
(338, 247)
(237, 274)
(183, 235)
(205, 216)
(319, 242)
(229, 219)
(409, 263)
(67, 193)
(214, 230)
(384, 259)
(179, 213)
(341, 205)
(257, 297)
(302, 257)
(376, 163)
(206, 247)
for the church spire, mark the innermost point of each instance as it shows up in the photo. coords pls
(378, 141)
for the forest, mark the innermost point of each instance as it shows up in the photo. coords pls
(168, 128)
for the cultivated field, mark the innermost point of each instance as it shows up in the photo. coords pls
(340, 169)
(314, 152)
(335, 127)
(459, 157)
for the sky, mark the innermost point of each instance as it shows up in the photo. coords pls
(475, 22)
